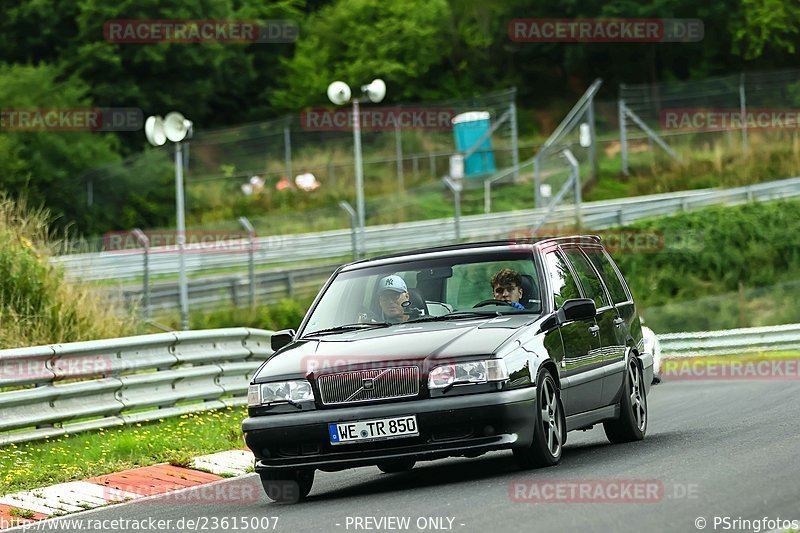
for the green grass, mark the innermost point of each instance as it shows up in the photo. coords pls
(37, 305)
(69, 458)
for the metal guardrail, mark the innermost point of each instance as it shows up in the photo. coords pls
(270, 287)
(337, 243)
(730, 341)
(62, 389)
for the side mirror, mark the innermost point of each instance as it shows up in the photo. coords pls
(576, 309)
(281, 338)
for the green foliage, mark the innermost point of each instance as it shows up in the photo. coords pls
(721, 267)
(282, 315)
(37, 305)
(354, 41)
(45, 165)
(766, 25)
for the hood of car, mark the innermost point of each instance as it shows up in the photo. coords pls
(426, 343)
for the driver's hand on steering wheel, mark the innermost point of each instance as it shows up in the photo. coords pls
(517, 305)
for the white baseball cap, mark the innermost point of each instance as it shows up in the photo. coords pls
(392, 283)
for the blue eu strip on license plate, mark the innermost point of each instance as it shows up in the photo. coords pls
(370, 430)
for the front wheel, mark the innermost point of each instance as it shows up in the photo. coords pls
(632, 422)
(287, 486)
(550, 432)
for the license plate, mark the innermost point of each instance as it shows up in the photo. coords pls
(369, 430)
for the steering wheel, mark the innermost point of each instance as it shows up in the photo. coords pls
(492, 302)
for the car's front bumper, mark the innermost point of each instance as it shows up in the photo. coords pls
(460, 425)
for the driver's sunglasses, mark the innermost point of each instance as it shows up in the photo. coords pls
(389, 296)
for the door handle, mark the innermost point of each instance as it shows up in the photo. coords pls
(594, 329)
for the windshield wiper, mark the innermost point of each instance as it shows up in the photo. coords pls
(458, 314)
(349, 327)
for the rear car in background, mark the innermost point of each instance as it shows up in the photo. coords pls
(454, 372)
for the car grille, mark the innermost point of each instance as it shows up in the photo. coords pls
(366, 385)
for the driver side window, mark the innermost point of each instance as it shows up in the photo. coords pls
(561, 279)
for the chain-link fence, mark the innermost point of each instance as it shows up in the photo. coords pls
(288, 175)
(738, 112)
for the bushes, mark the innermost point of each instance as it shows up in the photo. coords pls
(37, 306)
(282, 315)
(728, 274)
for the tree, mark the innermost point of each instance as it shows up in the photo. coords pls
(43, 164)
(766, 25)
(402, 42)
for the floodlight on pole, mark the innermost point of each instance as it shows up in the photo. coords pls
(175, 127)
(339, 93)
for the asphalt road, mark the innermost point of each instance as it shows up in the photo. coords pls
(713, 448)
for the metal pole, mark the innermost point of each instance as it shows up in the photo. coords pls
(398, 148)
(512, 108)
(287, 150)
(455, 187)
(183, 283)
(487, 196)
(359, 174)
(623, 136)
(576, 183)
(743, 111)
(458, 211)
(144, 242)
(251, 265)
(593, 145)
(353, 225)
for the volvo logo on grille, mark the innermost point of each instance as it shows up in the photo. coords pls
(368, 384)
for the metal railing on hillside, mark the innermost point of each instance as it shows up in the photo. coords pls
(298, 248)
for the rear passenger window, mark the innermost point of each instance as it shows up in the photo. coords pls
(603, 265)
(588, 277)
(564, 286)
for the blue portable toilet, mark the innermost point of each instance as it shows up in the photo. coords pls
(468, 128)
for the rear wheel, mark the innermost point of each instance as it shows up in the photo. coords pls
(550, 432)
(632, 422)
(396, 465)
(287, 486)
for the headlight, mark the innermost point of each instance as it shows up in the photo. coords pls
(279, 391)
(466, 373)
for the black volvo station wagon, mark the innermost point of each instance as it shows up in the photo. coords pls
(451, 351)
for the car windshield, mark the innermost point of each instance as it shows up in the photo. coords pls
(432, 289)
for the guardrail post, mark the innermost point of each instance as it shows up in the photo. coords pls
(145, 243)
(290, 284)
(251, 266)
(576, 184)
(287, 151)
(398, 148)
(235, 292)
(743, 110)
(623, 134)
(353, 226)
(512, 109)
(456, 187)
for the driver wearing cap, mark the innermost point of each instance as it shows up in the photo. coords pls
(392, 294)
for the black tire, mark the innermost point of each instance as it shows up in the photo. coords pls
(287, 486)
(550, 432)
(397, 465)
(632, 422)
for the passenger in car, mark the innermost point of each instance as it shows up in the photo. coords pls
(392, 294)
(507, 286)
